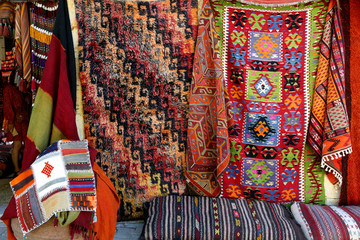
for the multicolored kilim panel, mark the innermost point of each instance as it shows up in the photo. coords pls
(60, 180)
(267, 73)
(135, 68)
(269, 60)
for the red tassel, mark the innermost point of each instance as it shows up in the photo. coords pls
(5, 30)
(33, 84)
(22, 85)
(1, 29)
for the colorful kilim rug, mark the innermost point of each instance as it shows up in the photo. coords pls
(135, 68)
(270, 58)
(60, 180)
(329, 130)
(266, 70)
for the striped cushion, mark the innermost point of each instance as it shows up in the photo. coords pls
(328, 222)
(187, 217)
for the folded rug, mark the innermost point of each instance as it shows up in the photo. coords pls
(59, 180)
(328, 222)
(188, 217)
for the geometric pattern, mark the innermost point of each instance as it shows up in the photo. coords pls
(329, 134)
(260, 173)
(336, 117)
(136, 106)
(263, 86)
(249, 219)
(70, 186)
(265, 46)
(274, 95)
(261, 129)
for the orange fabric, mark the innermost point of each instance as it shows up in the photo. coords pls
(28, 172)
(108, 203)
(353, 168)
(10, 233)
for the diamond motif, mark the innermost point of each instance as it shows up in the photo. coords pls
(259, 173)
(265, 46)
(261, 129)
(263, 86)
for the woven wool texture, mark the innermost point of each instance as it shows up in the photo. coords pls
(327, 222)
(42, 20)
(135, 68)
(60, 180)
(269, 61)
(189, 217)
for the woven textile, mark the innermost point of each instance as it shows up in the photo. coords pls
(60, 180)
(42, 19)
(17, 35)
(209, 150)
(328, 222)
(329, 130)
(186, 217)
(7, 10)
(22, 41)
(135, 68)
(53, 113)
(269, 63)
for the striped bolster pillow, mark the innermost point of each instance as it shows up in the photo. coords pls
(328, 222)
(190, 217)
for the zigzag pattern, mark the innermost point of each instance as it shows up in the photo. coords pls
(135, 70)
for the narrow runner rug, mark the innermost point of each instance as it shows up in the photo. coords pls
(135, 68)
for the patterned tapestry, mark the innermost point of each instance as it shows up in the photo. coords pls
(135, 68)
(42, 20)
(329, 131)
(270, 59)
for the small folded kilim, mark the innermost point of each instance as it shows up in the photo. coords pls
(187, 217)
(62, 179)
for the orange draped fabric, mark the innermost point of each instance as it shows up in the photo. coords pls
(108, 203)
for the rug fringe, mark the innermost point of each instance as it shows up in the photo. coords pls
(336, 155)
(333, 156)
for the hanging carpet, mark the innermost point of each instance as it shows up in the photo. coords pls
(269, 58)
(135, 69)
